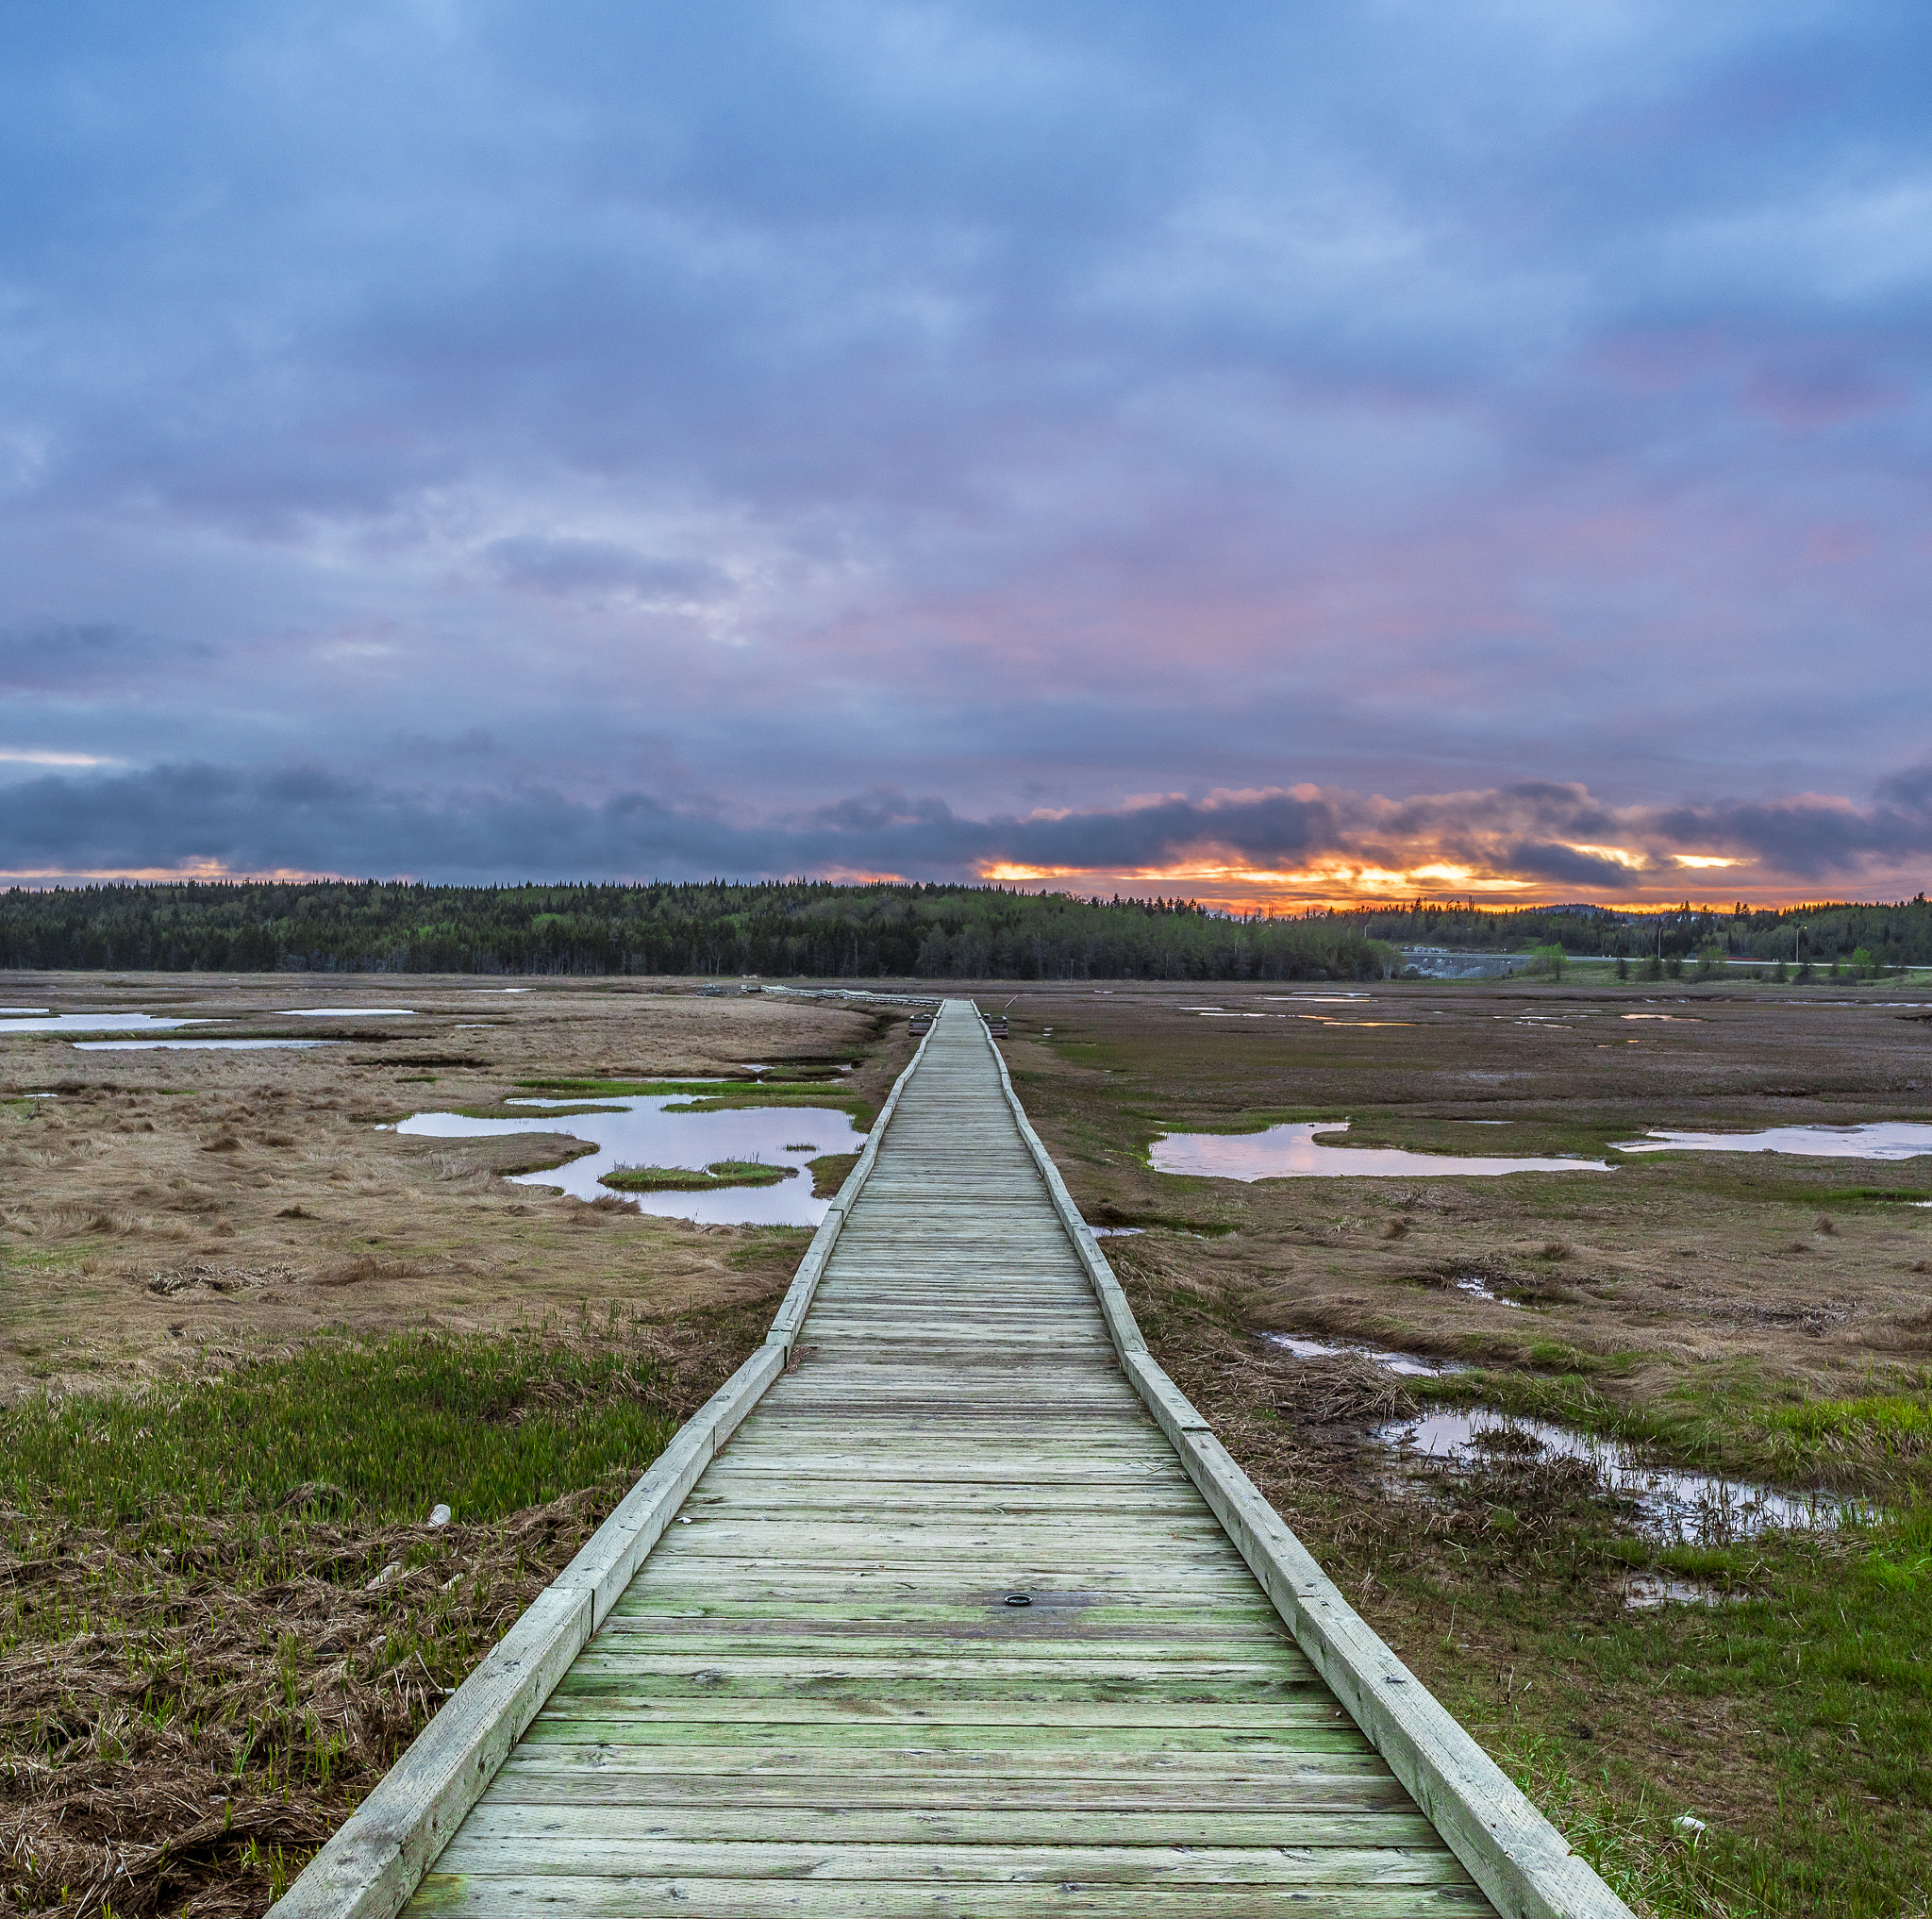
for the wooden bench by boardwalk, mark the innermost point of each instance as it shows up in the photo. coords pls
(796, 1677)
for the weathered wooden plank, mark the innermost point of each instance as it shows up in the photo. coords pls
(1312, 1703)
(1344, 1784)
(699, 1638)
(603, 1744)
(721, 1498)
(1044, 1692)
(818, 1655)
(1042, 1578)
(1325, 1825)
(957, 1744)
(578, 1854)
(808, 1610)
(486, 1895)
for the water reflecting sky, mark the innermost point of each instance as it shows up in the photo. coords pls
(643, 1130)
(1292, 1151)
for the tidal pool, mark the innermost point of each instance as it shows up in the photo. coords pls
(1882, 1140)
(645, 1130)
(93, 1022)
(1672, 1503)
(1290, 1152)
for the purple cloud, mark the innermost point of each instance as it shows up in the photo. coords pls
(1027, 411)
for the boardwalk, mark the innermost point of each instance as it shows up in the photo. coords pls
(816, 1698)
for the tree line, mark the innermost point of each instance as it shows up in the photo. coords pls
(801, 929)
(1821, 934)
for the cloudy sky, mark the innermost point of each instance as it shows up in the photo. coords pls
(1268, 453)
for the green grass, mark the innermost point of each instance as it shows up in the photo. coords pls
(719, 1173)
(1805, 1694)
(721, 1095)
(829, 1172)
(387, 1431)
(1827, 1660)
(767, 1093)
(198, 1637)
(1897, 1420)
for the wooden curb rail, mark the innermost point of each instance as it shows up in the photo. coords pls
(377, 1857)
(1520, 1860)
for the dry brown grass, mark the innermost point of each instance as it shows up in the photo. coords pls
(256, 1189)
(1675, 1270)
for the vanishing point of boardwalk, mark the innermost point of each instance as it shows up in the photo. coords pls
(948, 1628)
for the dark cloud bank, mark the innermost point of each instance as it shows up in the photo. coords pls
(314, 820)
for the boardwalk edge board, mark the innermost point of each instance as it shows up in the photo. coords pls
(378, 1855)
(1520, 1860)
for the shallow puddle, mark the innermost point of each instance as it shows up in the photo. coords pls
(1882, 1140)
(348, 1012)
(1673, 1504)
(1648, 1592)
(639, 1130)
(1292, 1151)
(93, 1022)
(1478, 1288)
(1409, 1365)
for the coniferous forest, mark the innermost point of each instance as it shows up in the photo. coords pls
(803, 929)
(825, 931)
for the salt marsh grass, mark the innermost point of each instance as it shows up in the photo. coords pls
(225, 1614)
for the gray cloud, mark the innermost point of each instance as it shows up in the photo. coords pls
(312, 819)
(1068, 402)
(59, 657)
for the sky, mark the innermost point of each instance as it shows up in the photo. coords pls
(1273, 455)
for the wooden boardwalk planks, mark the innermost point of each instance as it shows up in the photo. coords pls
(813, 1697)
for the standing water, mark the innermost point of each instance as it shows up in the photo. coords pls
(645, 1130)
(1292, 1151)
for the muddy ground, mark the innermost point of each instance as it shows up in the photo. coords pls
(170, 1212)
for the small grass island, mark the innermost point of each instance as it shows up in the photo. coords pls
(694, 1179)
